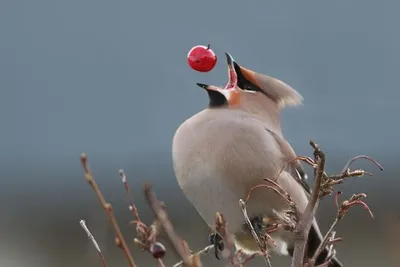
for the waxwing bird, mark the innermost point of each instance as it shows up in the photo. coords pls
(269, 96)
(222, 152)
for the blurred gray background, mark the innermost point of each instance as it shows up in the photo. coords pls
(110, 78)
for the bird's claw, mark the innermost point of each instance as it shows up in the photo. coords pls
(216, 240)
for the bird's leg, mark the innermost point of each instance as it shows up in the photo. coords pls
(216, 240)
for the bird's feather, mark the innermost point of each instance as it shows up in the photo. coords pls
(296, 169)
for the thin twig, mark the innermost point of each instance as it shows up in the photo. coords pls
(283, 195)
(162, 217)
(330, 251)
(324, 242)
(132, 206)
(254, 234)
(307, 160)
(119, 240)
(352, 160)
(94, 242)
(342, 210)
(222, 230)
(147, 234)
(303, 227)
(204, 251)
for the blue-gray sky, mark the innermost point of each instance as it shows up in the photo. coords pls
(110, 78)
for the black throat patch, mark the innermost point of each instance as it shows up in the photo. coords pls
(216, 99)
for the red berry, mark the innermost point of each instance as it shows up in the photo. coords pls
(201, 58)
(158, 250)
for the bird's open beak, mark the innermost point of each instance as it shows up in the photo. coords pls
(239, 76)
(233, 78)
(220, 90)
(232, 82)
(232, 95)
(239, 79)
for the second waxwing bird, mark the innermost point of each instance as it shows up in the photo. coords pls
(220, 153)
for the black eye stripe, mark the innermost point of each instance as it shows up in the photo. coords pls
(216, 99)
(243, 83)
(246, 85)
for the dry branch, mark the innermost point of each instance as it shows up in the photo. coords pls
(262, 245)
(162, 217)
(304, 225)
(94, 242)
(146, 235)
(119, 239)
(323, 186)
(342, 210)
(290, 220)
(204, 251)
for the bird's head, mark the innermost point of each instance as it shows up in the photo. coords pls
(245, 83)
(232, 94)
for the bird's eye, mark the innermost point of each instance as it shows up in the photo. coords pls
(243, 83)
(248, 86)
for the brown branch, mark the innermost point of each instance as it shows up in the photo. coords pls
(303, 227)
(222, 229)
(288, 223)
(307, 160)
(323, 185)
(352, 160)
(290, 220)
(331, 251)
(342, 210)
(263, 247)
(132, 206)
(147, 235)
(119, 239)
(324, 242)
(162, 217)
(276, 188)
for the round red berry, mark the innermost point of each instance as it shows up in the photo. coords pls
(158, 250)
(201, 58)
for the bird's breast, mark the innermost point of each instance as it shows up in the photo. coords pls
(218, 160)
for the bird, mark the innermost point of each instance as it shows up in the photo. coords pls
(223, 151)
(269, 96)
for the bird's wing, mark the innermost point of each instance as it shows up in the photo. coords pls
(296, 168)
